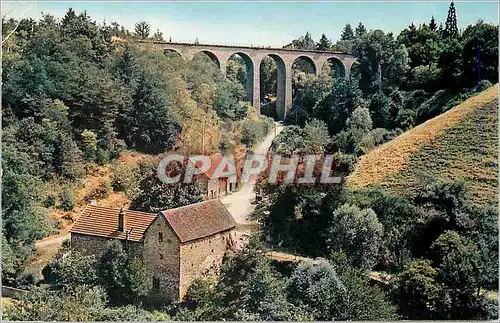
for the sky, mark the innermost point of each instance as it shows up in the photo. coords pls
(260, 23)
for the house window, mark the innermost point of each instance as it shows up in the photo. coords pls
(169, 241)
(156, 284)
(160, 236)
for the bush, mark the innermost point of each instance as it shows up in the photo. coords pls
(67, 200)
(483, 85)
(50, 201)
(254, 131)
(224, 143)
(124, 178)
(102, 156)
(101, 191)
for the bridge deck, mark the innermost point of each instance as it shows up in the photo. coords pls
(243, 47)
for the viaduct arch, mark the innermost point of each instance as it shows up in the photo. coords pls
(253, 56)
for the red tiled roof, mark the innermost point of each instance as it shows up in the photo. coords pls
(199, 220)
(103, 222)
(215, 160)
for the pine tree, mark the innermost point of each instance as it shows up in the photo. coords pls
(308, 42)
(451, 28)
(360, 30)
(324, 43)
(433, 25)
(127, 67)
(347, 33)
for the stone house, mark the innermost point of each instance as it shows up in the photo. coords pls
(177, 245)
(214, 188)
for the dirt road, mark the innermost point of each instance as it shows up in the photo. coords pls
(241, 203)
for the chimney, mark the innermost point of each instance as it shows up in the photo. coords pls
(121, 221)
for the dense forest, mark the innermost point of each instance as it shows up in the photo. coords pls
(77, 95)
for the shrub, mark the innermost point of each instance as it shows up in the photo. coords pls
(224, 143)
(50, 201)
(124, 178)
(102, 156)
(101, 191)
(254, 131)
(67, 200)
(483, 85)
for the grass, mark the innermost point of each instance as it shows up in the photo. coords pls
(459, 144)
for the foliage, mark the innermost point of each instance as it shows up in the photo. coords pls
(102, 190)
(356, 232)
(417, 291)
(70, 270)
(227, 100)
(142, 29)
(153, 195)
(318, 288)
(124, 279)
(124, 178)
(70, 304)
(67, 200)
(82, 303)
(254, 131)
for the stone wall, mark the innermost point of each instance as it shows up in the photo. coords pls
(162, 257)
(93, 245)
(202, 257)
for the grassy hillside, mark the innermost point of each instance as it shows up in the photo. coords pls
(459, 144)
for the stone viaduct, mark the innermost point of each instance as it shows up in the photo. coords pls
(253, 56)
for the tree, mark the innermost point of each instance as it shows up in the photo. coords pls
(324, 43)
(124, 280)
(303, 42)
(326, 292)
(433, 25)
(127, 67)
(451, 27)
(154, 195)
(360, 30)
(142, 29)
(458, 262)
(149, 126)
(158, 35)
(356, 232)
(347, 33)
(70, 269)
(316, 136)
(228, 101)
(480, 45)
(89, 141)
(398, 66)
(250, 286)
(417, 291)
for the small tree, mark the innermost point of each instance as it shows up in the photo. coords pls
(70, 269)
(324, 43)
(356, 232)
(142, 29)
(417, 291)
(153, 195)
(124, 280)
(158, 35)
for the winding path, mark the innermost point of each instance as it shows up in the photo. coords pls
(240, 203)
